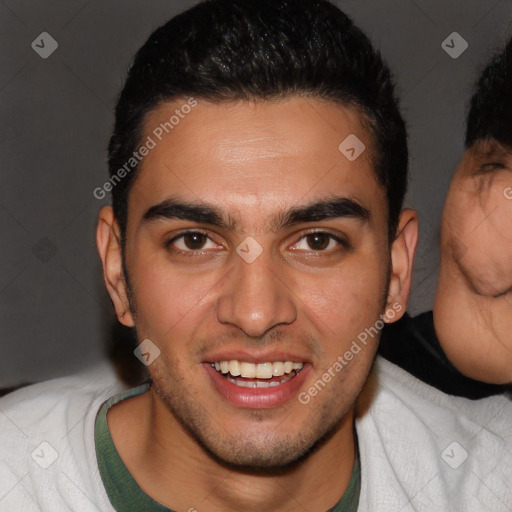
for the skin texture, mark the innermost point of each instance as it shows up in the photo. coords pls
(475, 278)
(186, 445)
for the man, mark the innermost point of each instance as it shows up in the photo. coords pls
(257, 244)
(473, 306)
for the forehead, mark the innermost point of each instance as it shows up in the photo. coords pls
(257, 154)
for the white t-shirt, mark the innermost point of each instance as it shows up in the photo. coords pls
(421, 450)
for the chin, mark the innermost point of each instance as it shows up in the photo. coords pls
(247, 456)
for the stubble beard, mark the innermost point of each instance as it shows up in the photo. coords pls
(272, 452)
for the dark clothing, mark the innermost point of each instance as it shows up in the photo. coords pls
(412, 344)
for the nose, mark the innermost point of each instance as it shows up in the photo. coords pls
(255, 298)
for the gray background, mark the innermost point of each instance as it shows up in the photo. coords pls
(55, 120)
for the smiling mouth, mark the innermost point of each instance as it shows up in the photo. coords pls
(257, 375)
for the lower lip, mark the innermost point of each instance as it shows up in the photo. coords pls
(257, 398)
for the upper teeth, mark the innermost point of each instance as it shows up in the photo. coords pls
(258, 370)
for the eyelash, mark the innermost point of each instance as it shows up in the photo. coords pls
(168, 244)
(489, 167)
(342, 242)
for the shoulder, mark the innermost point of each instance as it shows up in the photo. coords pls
(55, 401)
(425, 400)
(47, 439)
(429, 447)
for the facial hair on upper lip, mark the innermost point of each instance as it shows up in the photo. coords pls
(309, 344)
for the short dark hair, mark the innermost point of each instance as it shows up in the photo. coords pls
(490, 113)
(229, 50)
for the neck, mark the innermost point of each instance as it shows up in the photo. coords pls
(170, 466)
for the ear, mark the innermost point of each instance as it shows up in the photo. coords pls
(108, 240)
(403, 249)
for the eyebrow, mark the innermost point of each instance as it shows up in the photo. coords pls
(491, 154)
(334, 208)
(197, 212)
(491, 149)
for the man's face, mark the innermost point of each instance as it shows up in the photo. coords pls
(476, 271)
(477, 219)
(293, 267)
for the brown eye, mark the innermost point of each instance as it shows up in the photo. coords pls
(318, 241)
(194, 241)
(191, 242)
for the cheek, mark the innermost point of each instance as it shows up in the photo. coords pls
(499, 208)
(345, 302)
(168, 302)
(478, 237)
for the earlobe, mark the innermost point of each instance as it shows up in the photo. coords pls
(109, 249)
(403, 249)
